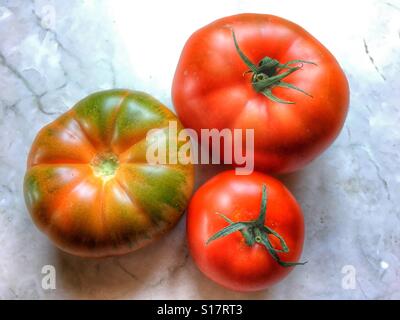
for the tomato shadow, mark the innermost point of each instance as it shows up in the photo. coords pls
(131, 276)
(102, 278)
(206, 289)
(205, 172)
(313, 189)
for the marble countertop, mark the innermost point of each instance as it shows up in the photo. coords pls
(53, 53)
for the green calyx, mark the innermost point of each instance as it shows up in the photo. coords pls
(105, 165)
(269, 73)
(256, 232)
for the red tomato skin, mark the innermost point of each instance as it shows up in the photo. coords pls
(229, 261)
(210, 89)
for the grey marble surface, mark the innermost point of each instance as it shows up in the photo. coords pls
(53, 53)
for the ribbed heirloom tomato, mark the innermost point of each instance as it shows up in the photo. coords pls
(245, 232)
(88, 185)
(262, 72)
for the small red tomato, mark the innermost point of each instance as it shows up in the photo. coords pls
(245, 232)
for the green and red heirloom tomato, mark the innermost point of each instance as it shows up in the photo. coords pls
(245, 232)
(88, 185)
(262, 72)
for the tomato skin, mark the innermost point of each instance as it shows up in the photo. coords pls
(229, 261)
(83, 208)
(210, 89)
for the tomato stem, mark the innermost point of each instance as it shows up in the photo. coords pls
(105, 165)
(256, 231)
(269, 73)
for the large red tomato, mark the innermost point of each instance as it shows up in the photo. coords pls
(245, 232)
(276, 79)
(89, 185)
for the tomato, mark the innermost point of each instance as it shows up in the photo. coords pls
(236, 227)
(278, 80)
(88, 185)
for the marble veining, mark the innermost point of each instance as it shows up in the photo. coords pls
(53, 53)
